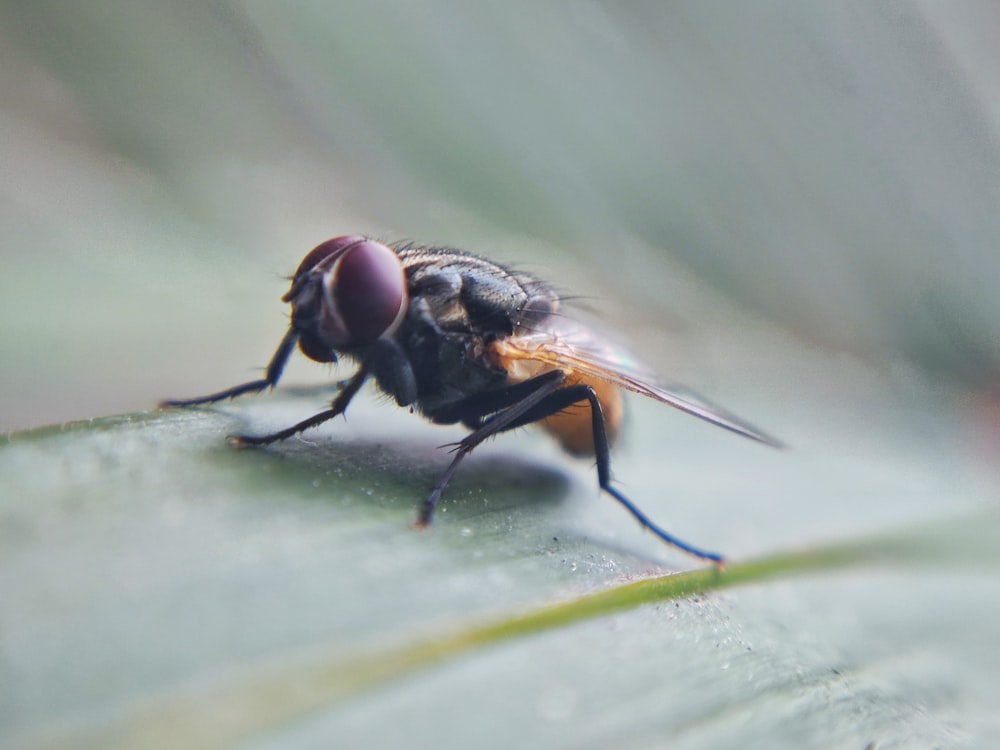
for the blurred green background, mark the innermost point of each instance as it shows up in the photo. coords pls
(792, 207)
(830, 169)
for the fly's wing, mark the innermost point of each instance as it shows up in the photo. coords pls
(569, 345)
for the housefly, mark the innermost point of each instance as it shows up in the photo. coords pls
(465, 340)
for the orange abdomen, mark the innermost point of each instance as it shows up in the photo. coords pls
(573, 426)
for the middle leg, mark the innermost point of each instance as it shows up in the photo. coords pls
(505, 405)
(555, 401)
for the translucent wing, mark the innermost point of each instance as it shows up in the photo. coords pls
(571, 346)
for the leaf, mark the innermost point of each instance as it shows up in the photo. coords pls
(163, 589)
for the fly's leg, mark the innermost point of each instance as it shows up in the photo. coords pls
(392, 371)
(337, 407)
(515, 402)
(270, 379)
(554, 402)
(474, 410)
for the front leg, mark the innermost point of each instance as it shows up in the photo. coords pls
(393, 371)
(273, 374)
(337, 406)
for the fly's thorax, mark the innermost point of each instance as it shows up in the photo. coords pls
(458, 305)
(448, 366)
(470, 293)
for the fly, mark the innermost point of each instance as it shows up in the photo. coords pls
(465, 340)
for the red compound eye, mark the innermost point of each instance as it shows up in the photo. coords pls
(365, 293)
(326, 253)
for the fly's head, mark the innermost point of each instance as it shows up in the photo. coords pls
(347, 292)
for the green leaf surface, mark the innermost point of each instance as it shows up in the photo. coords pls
(162, 589)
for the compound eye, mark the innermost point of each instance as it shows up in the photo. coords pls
(323, 251)
(366, 294)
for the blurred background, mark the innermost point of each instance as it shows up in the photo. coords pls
(771, 193)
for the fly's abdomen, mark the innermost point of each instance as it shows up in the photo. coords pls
(573, 426)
